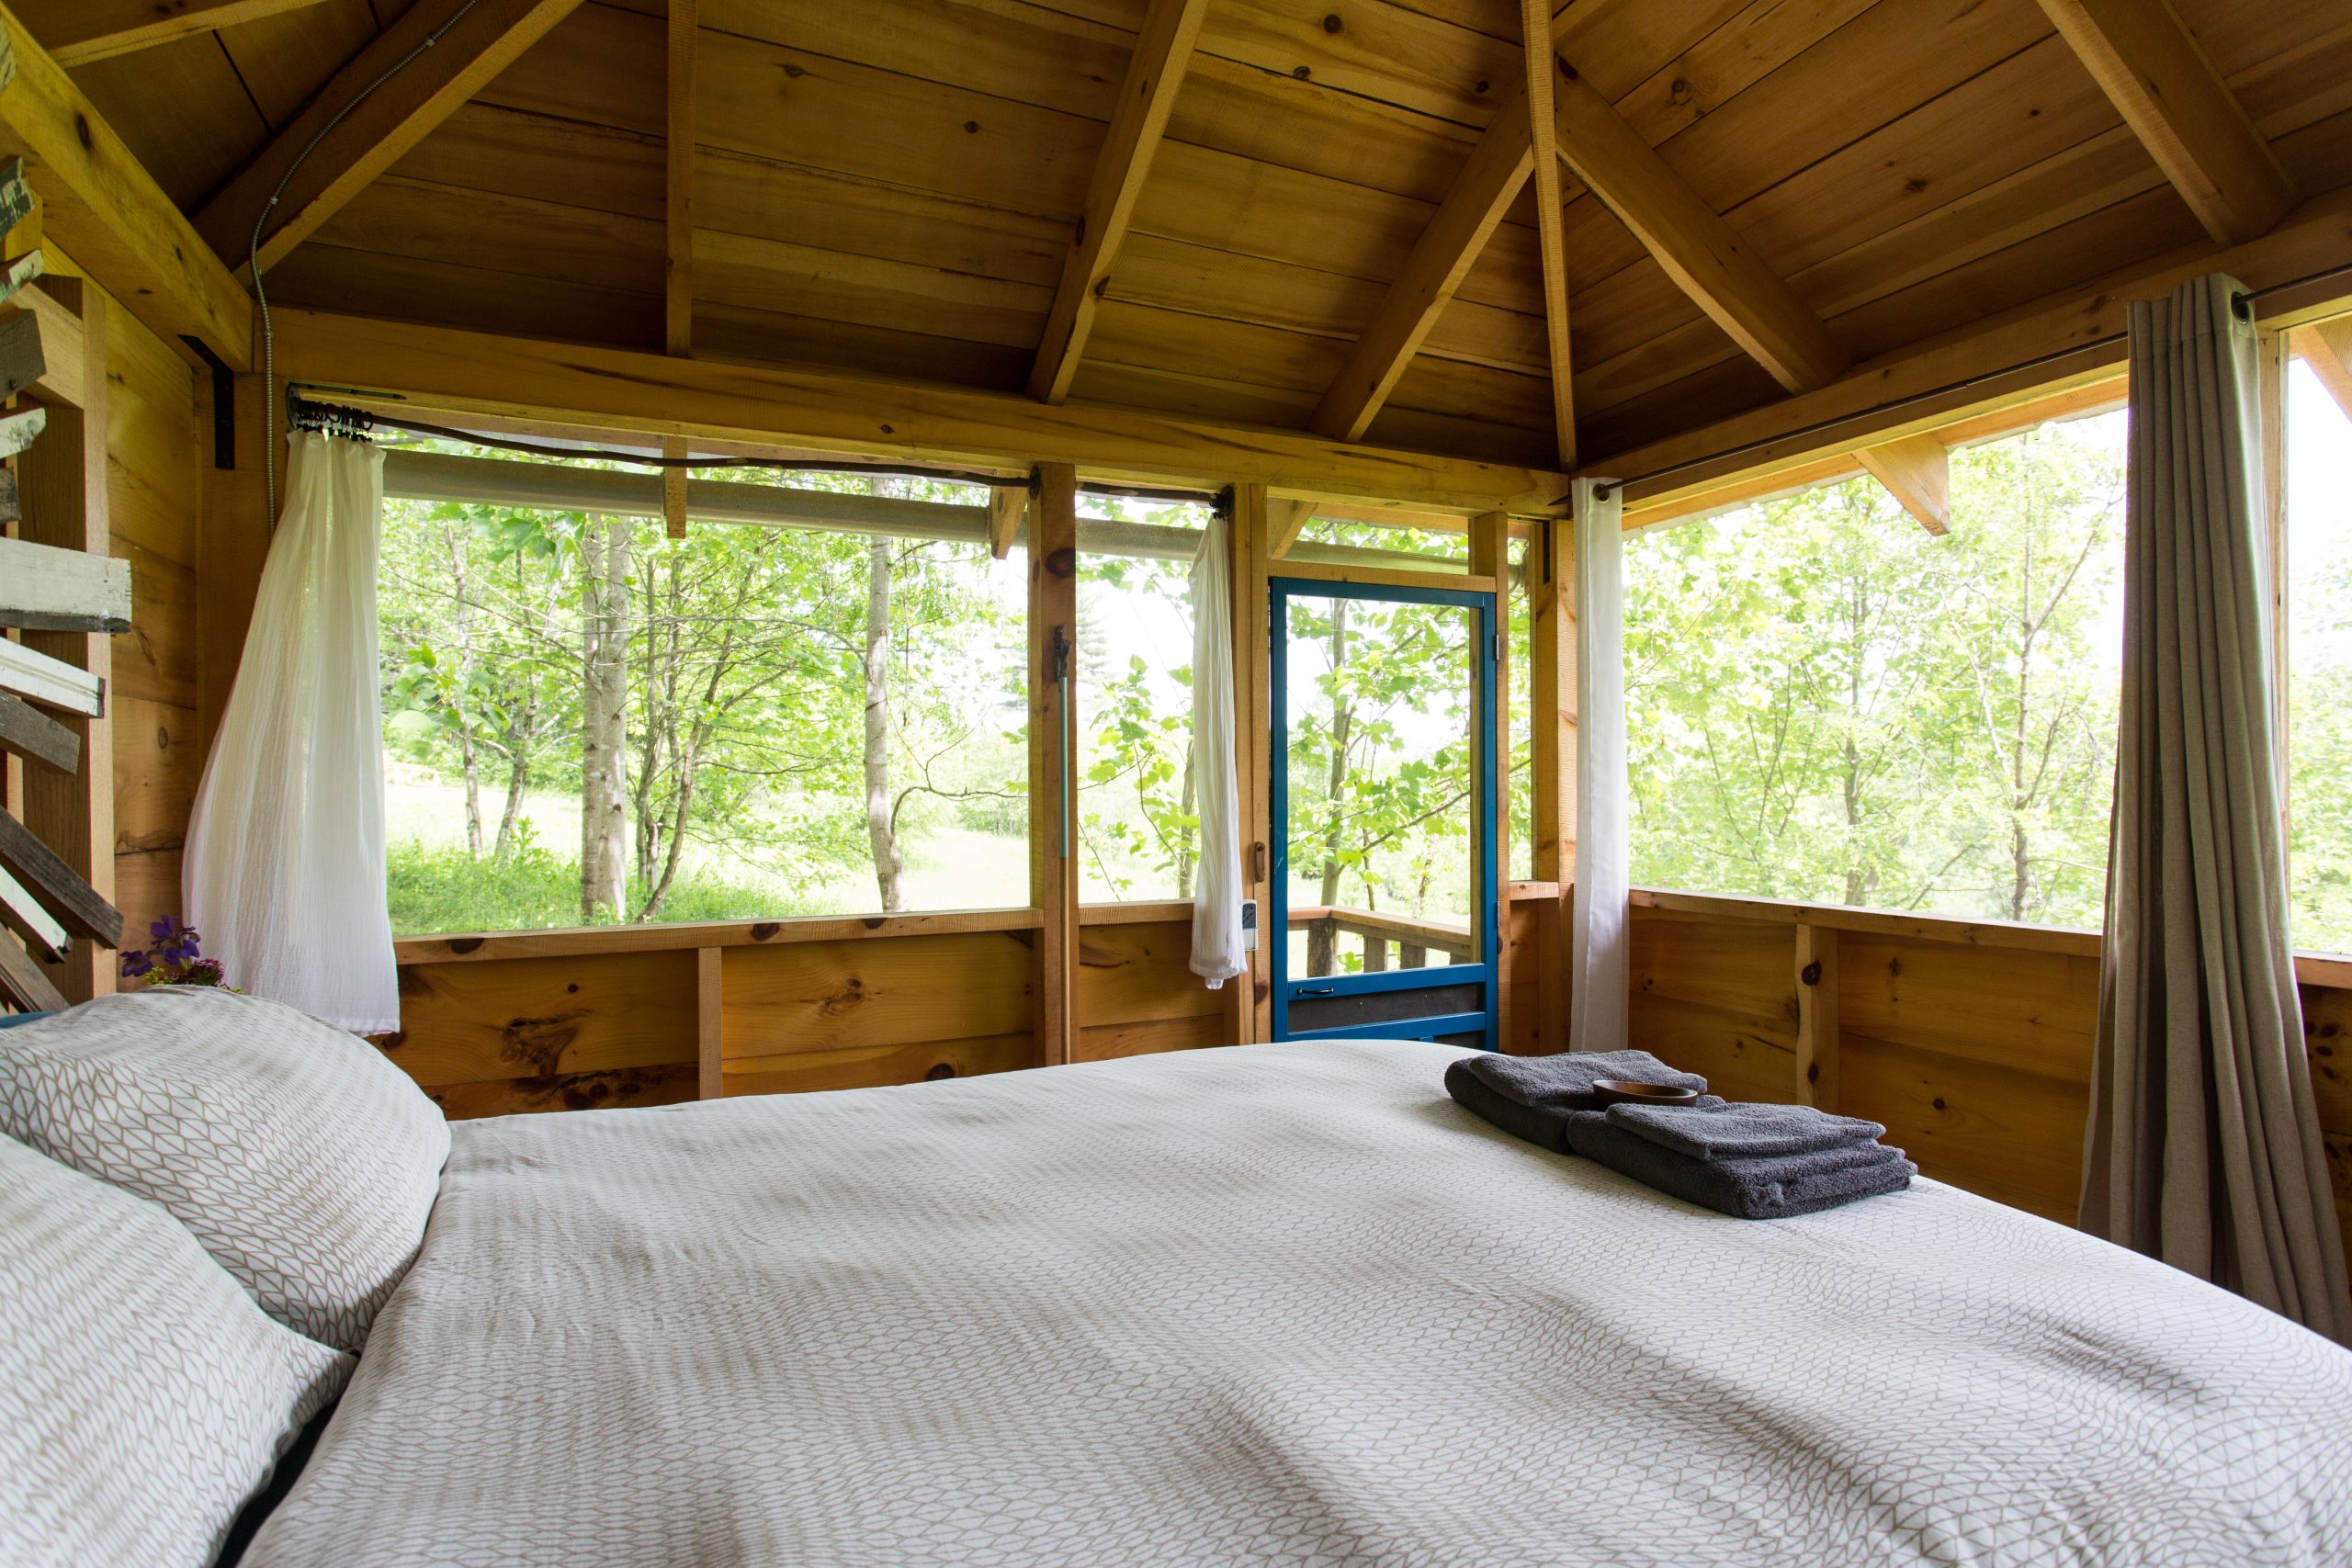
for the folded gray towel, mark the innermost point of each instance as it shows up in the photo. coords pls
(1567, 1078)
(1528, 1097)
(1743, 1130)
(1768, 1188)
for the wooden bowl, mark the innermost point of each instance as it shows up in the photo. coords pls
(1620, 1092)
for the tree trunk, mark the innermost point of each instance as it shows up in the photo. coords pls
(1187, 853)
(522, 735)
(1322, 943)
(604, 728)
(466, 752)
(1857, 882)
(881, 829)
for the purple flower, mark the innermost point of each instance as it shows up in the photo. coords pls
(135, 963)
(165, 928)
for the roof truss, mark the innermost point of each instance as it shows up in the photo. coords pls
(2152, 69)
(107, 210)
(1147, 93)
(467, 48)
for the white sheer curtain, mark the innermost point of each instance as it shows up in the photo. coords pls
(1599, 960)
(285, 866)
(1217, 953)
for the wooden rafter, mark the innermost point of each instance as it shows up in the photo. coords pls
(78, 31)
(102, 205)
(678, 292)
(2150, 66)
(1706, 258)
(1536, 24)
(473, 46)
(1490, 182)
(1163, 48)
(1916, 471)
(620, 390)
(678, 200)
(2326, 347)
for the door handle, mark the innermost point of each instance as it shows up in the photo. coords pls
(1318, 991)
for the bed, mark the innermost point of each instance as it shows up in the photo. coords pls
(1279, 1303)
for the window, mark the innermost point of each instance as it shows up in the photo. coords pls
(2319, 644)
(1827, 704)
(586, 721)
(1137, 821)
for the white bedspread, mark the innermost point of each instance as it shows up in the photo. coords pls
(1275, 1304)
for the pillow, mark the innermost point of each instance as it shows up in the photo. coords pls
(304, 1161)
(143, 1397)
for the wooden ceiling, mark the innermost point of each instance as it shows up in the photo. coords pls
(895, 186)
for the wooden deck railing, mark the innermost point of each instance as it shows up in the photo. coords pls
(1414, 940)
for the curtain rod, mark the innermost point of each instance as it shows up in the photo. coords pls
(2241, 305)
(339, 418)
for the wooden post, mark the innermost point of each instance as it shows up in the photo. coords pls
(1053, 760)
(1491, 557)
(235, 544)
(62, 479)
(710, 1037)
(1253, 1015)
(2270, 374)
(1376, 954)
(1552, 766)
(1816, 984)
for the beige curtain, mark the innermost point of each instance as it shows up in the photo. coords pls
(2204, 1144)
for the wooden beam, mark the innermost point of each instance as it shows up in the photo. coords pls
(21, 912)
(64, 891)
(52, 682)
(1163, 48)
(29, 732)
(679, 141)
(1284, 519)
(1007, 515)
(1491, 558)
(1552, 761)
(2096, 397)
(1817, 1017)
(1473, 206)
(104, 207)
(55, 590)
(1053, 756)
(1916, 471)
(22, 982)
(63, 479)
(2326, 347)
(2166, 87)
(2062, 343)
(450, 371)
(1701, 253)
(471, 47)
(710, 1020)
(79, 31)
(1552, 248)
(678, 293)
(1252, 1015)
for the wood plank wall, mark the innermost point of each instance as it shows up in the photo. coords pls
(157, 448)
(1970, 1042)
(574, 1020)
(157, 451)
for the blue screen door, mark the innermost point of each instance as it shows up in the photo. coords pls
(1384, 918)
